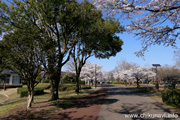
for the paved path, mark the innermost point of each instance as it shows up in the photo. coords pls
(127, 102)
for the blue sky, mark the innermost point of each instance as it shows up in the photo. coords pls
(155, 55)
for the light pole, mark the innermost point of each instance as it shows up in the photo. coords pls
(157, 83)
(126, 78)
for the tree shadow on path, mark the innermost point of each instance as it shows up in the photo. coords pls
(86, 108)
(137, 108)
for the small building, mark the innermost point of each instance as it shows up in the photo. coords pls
(13, 79)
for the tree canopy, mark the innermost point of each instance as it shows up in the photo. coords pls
(96, 37)
(23, 54)
(57, 21)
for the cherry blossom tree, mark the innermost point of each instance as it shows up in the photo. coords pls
(91, 73)
(135, 74)
(124, 65)
(155, 22)
(142, 73)
(105, 76)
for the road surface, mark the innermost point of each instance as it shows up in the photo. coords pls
(126, 103)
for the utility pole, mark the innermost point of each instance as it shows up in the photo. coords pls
(126, 79)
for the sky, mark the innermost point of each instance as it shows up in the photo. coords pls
(156, 54)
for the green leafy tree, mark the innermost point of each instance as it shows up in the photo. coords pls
(23, 55)
(57, 22)
(67, 79)
(3, 66)
(96, 38)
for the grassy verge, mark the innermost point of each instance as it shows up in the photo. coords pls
(67, 97)
(14, 100)
(156, 97)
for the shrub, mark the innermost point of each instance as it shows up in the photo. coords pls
(145, 89)
(171, 97)
(38, 90)
(115, 83)
(24, 92)
(67, 87)
(82, 82)
(67, 79)
(118, 82)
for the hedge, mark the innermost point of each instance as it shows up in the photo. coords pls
(160, 83)
(24, 92)
(145, 89)
(171, 97)
(38, 90)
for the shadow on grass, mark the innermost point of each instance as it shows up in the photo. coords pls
(11, 102)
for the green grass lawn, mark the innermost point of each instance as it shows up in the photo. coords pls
(13, 101)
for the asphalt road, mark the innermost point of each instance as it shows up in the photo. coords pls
(125, 102)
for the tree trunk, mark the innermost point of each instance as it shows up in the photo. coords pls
(30, 99)
(53, 90)
(157, 85)
(55, 80)
(138, 86)
(92, 83)
(77, 84)
(4, 85)
(57, 88)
